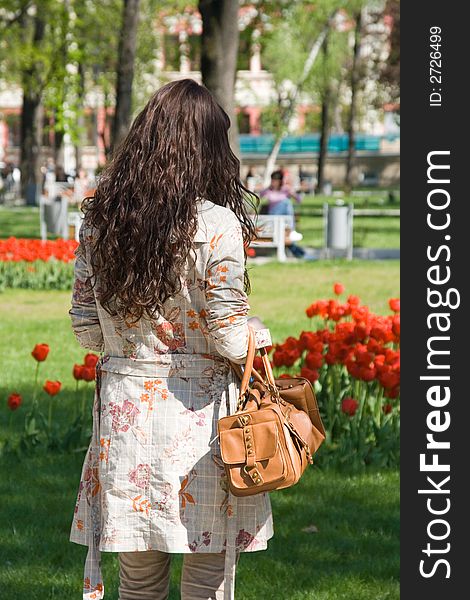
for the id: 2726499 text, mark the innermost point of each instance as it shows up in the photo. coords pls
(435, 66)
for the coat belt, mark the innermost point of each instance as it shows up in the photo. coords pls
(167, 365)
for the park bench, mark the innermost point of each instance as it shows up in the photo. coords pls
(271, 230)
(74, 222)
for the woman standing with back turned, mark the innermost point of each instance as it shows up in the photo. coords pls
(160, 290)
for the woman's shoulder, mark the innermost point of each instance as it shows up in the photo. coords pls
(214, 219)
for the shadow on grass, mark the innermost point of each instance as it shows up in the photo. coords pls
(354, 554)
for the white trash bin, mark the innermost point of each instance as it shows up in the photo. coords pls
(338, 223)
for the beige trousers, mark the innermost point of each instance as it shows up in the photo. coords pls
(145, 575)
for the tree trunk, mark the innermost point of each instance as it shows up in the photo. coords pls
(325, 126)
(80, 118)
(30, 132)
(59, 147)
(324, 137)
(125, 70)
(219, 50)
(29, 145)
(352, 110)
(289, 110)
(61, 60)
(271, 161)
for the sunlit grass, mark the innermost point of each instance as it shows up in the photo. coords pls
(354, 554)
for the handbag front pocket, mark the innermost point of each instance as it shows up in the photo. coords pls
(270, 460)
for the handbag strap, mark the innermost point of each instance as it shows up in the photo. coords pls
(248, 362)
(249, 371)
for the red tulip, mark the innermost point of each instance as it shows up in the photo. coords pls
(88, 373)
(40, 352)
(353, 368)
(320, 307)
(349, 406)
(310, 311)
(278, 358)
(367, 374)
(306, 339)
(338, 288)
(374, 346)
(379, 362)
(17, 249)
(396, 325)
(387, 409)
(91, 359)
(361, 330)
(52, 387)
(310, 374)
(393, 392)
(354, 300)
(14, 401)
(314, 360)
(364, 358)
(258, 363)
(291, 343)
(78, 372)
(389, 379)
(394, 304)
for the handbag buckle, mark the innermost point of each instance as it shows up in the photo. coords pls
(244, 419)
(254, 473)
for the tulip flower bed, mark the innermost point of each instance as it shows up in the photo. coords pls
(349, 353)
(39, 431)
(352, 357)
(34, 264)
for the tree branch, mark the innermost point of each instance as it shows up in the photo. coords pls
(287, 114)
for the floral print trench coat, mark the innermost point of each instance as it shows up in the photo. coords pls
(153, 476)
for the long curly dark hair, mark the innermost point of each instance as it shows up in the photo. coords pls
(144, 211)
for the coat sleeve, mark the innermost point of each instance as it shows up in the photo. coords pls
(227, 301)
(84, 314)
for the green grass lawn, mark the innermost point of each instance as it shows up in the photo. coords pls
(354, 554)
(19, 222)
(368, 198)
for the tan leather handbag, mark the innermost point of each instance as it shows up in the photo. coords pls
(270, 439)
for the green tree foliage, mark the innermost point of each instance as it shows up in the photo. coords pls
(390, 71)
(287, 46)
(75, 53)
(293, 56)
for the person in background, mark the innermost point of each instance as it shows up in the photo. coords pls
(81, 186)
(279, 197)
(287, 177)
(48, 178)
(62, 186)
(250, 180)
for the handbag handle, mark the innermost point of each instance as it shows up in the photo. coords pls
(249, 371)
(250, 356)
